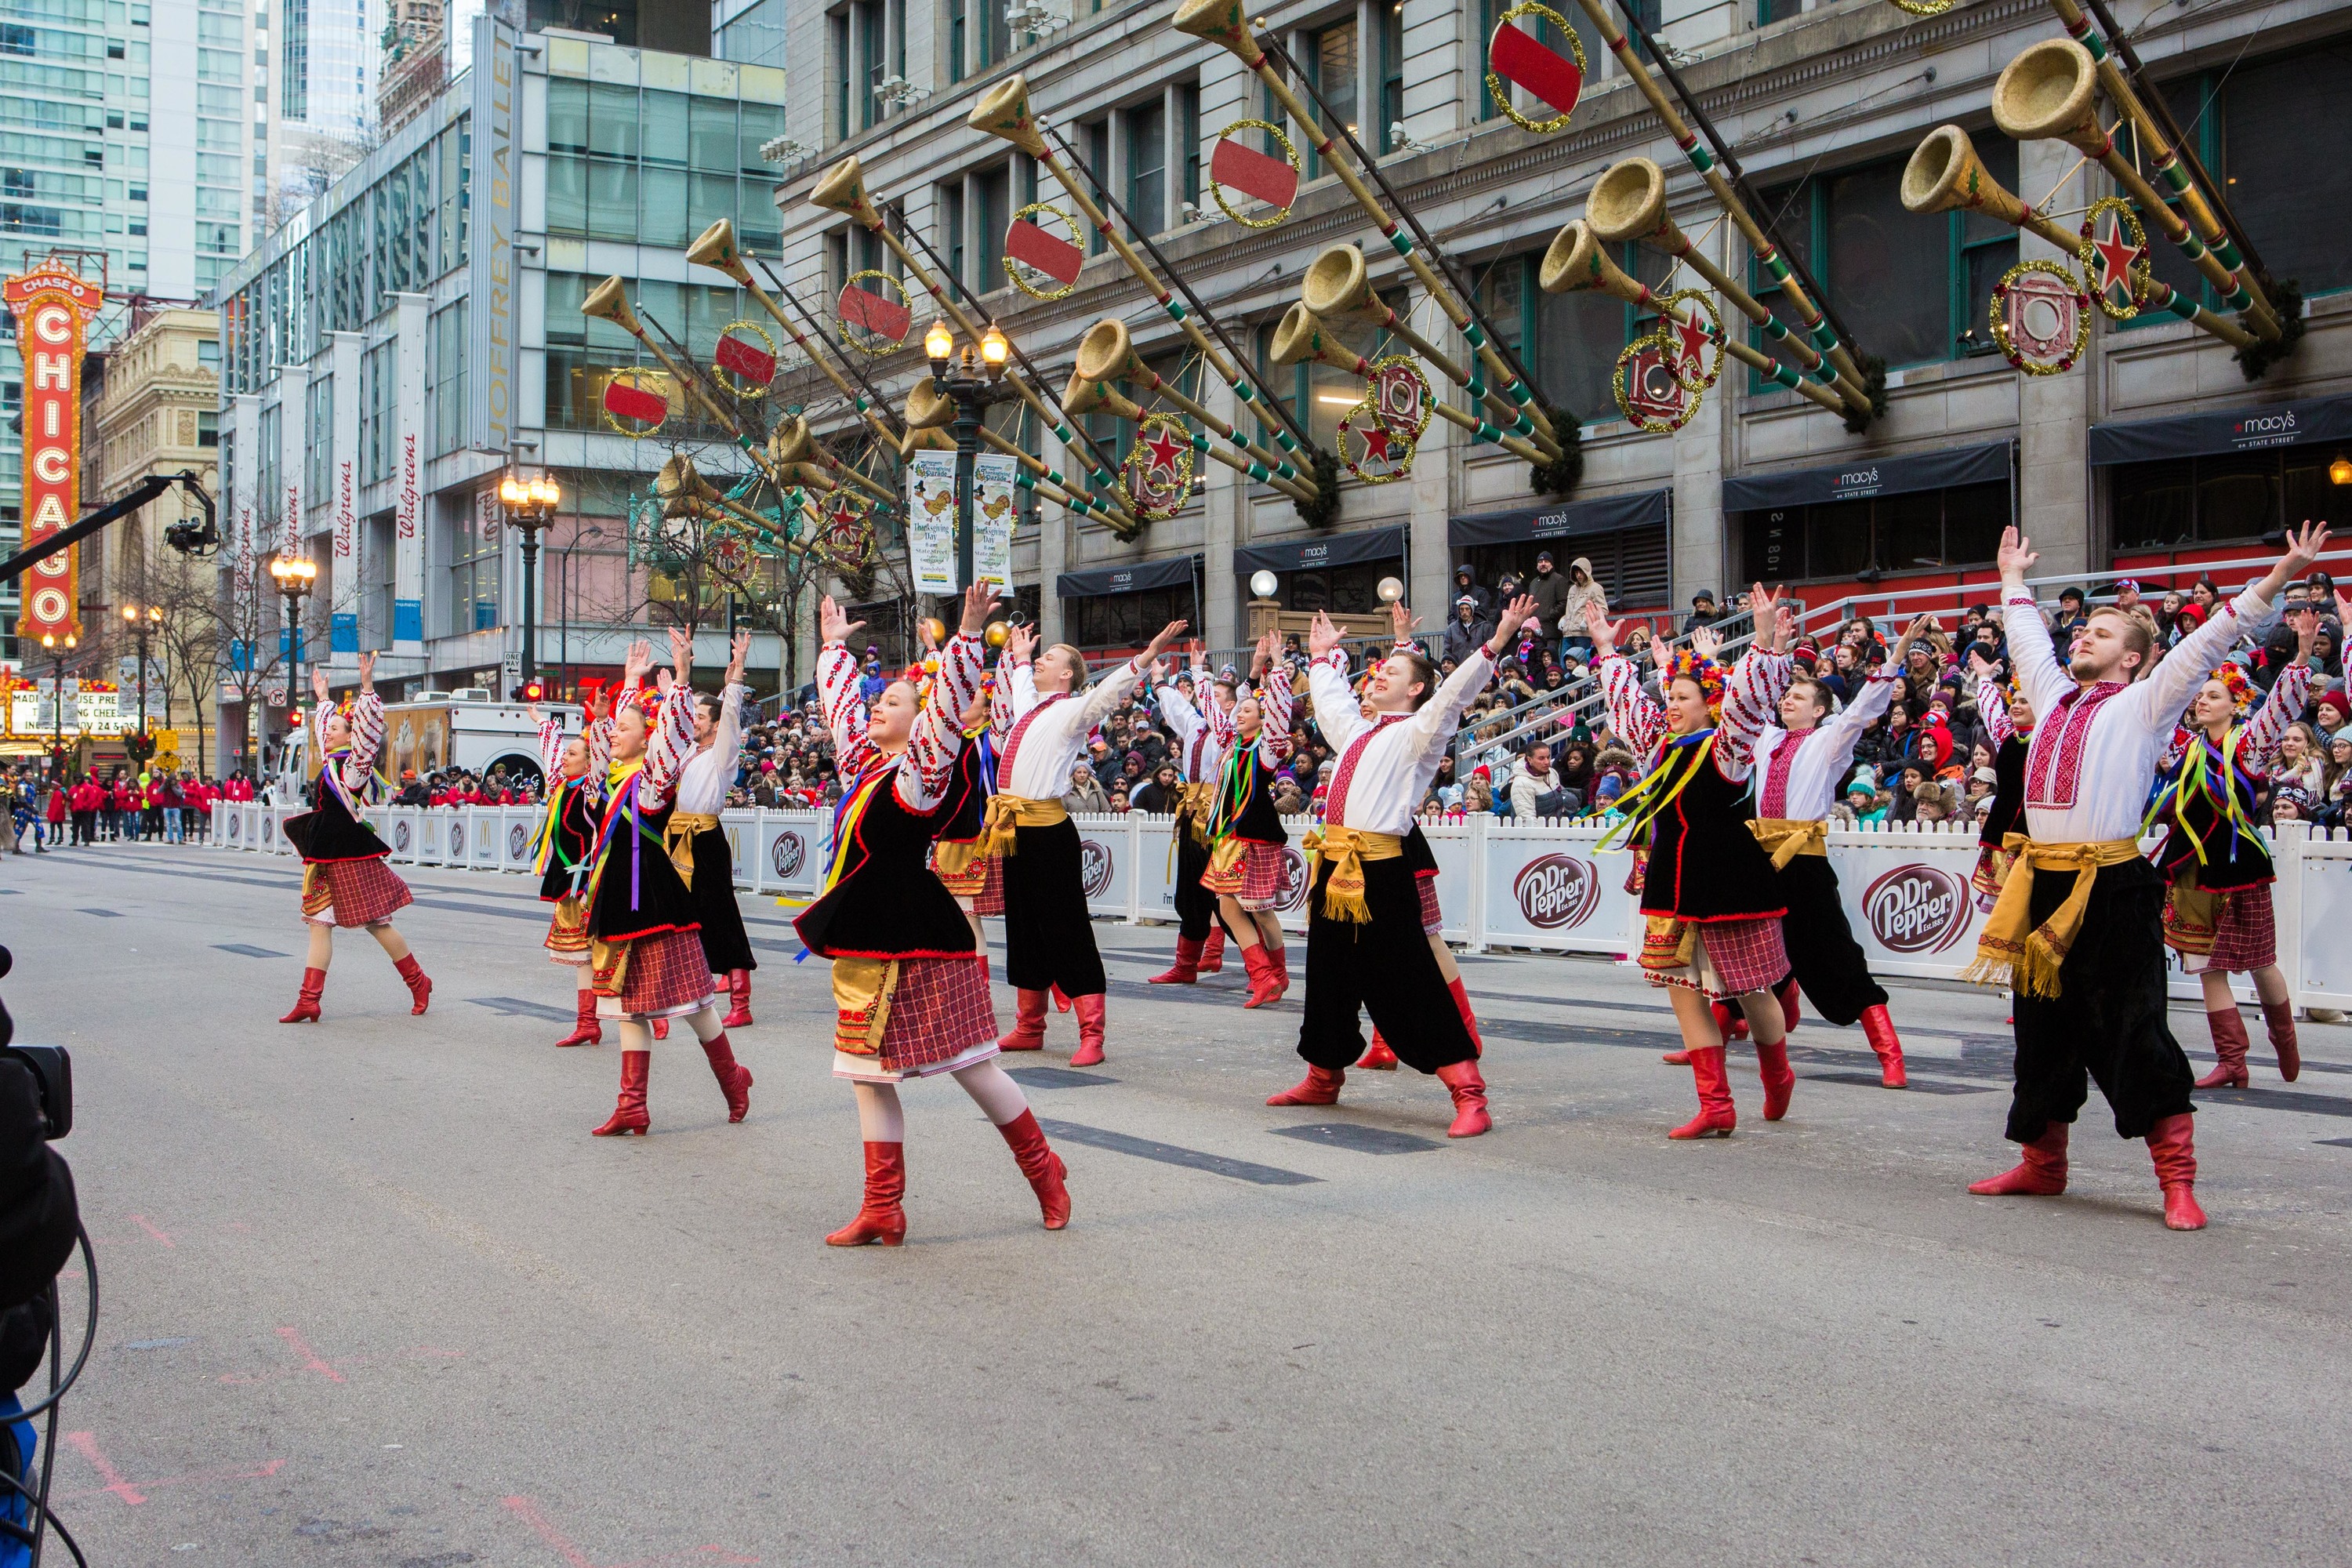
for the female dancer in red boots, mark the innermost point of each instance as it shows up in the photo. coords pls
(1366, 946)
(908, 986)
(1049, 937)
(345, 881)
(1245, 833)
(1203, 737)
(2218, 913)
(702, 787)
(567, 850)
(1712, 904)
(646, 958)
(2009, 724)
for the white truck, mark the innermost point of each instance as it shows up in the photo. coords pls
(461, 729)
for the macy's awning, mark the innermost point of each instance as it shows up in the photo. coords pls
(2238, 430)
(1176, 571)
(1867, 476)
(1325, 550)
(1567, 519)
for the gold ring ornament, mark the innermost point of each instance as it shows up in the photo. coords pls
(1650, 392)
(1400, 396)
(1515, 57)
(1259, 175)
(2040, 317)
(630, 394)
(1926, 7)
(2117, 260)
(735, 356)
(1157, 474)
(1387, 454)
(873, 322)
(1030, 251)
(848, 536)
(1694, 339)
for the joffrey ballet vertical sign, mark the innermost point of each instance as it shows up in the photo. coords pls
(491, 300)
(53, 308)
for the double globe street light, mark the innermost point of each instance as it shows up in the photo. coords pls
(970, 380)
(530, 505)
(294, 576)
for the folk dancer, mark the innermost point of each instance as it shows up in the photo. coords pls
(565, 855)
(345, 881)
(1711, 901)
(2218, 914)
(1799, 762)
(1246, 838)
(977, 880)
(1049, 939)
(910, 985)
(645, 952)
(1203, 737)
(709, 862)
(1366, 946)
(2078, 932)
(2008, 720)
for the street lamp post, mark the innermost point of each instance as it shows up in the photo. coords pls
(295, 576)
(143, 623)
(57, 653)
(529, 506)
(953, 377)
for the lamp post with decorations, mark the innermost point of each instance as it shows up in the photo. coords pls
(971, 380)
(145, 622)
(57, 651)
(294, 576)
(530, 505)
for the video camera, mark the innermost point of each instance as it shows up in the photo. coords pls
(51, 1066)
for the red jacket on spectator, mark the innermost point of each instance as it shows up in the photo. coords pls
(124, 798)
(88, 795)
(56, 812)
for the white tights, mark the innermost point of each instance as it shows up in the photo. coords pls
(881, 1120)
(637, 1034)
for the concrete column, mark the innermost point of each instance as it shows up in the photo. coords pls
(408, 477)
(1221, 518)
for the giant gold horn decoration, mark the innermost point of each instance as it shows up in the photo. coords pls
(1003, 112)
(843, 190)
(1107, 352)
(2051, 91)
(1629, 204)
(685, 492)
(609, 301)
(1576, 259)
(927, 408)
(792, 442)
(716, 247)
(1302, 335)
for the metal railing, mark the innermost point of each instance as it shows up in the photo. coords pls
(2230, 575)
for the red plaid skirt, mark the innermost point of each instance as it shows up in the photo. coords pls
(1253, 881)
(1432, 921)
(567, 931)
(352, 892)
(941, 1018)
(666, 978)
(982, 881)
(1738, 957)
(2245, 936)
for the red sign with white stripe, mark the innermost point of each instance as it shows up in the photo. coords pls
(1055, 258)
(1552, 76)
(884, 318)
(1254, 174)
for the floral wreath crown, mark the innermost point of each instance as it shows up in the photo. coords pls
(1685, 664)
(2233, 679)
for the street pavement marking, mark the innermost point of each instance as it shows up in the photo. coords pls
(1355, 1136)
(1171, 1154)
(105, 914)
(1056, 1077)
(516, 1007)
(1916, 1085)
(246, 949)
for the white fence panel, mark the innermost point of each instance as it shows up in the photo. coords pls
(742, 830)
(1106, 857)
(1155, 868)
(794, 848)
(484, 825)
(1906, 895)
(518, 836)
(402, 836)
(1548, 887)
(1455, 847)
(2316, 921)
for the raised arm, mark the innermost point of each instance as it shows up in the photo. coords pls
(1865, 707)
(1992, 703)
(1337, 712)
(551, 742)
(1016, 682)
(1176, 710)
(928, 764)
(1751, 699)
(836, 686)
(2180, 672)
(2040, 674)
(1276, 704)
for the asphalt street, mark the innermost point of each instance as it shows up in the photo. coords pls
(372, 1295)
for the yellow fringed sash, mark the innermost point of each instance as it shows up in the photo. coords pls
(1196, 805)
(1007, 812)
(2192, 916)
(1347, 849)
(1785, 838)
(2013, 951)
(861, 999)
(678, 841)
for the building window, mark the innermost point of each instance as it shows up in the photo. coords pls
(1771, 11)
(376, 412)
(475, 547)
(836, 31)
(1391, 17)
(1188, 142)
(1570, 342)
(1923, 530)
(1330, 57)
(1146, 168)
(319, 441)
(991, 191)
(873, 59)
(1097, 142)
(951, 231)
(449, 379)
(2223, 497)
(957, 29)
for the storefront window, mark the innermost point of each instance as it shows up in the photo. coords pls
(2228, 496)
(1124, 620)
(1922, 530)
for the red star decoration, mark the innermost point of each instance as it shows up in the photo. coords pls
(1165, 449)
(1692, 336)
(2116, 258)
(842, 512)
(1376, 443)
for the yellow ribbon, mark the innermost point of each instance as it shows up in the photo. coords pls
(678, 841)
(1007, 812)
(2012, 950)
(1347, 849)
(1787, 838)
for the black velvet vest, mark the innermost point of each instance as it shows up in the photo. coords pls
(1705, 865)
(883, 902)
(575, 841)
(330, 832)
(638, 890)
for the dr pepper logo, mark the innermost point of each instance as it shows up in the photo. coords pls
(787, 854)
(1093, 866)
(1917, 908)
(1556, 892)
(1292, 893)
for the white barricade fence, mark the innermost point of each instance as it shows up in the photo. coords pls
(1908, 895)
(1548, 888)
(1155, 870)
(1106, 857)
(519, 841)
(402, 836)
(741, 827)
(794, 848)
(485, 827)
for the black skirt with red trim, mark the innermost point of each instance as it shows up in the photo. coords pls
(886, 903)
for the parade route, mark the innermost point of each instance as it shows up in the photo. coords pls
(372, 1296)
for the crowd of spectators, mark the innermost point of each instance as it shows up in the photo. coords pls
(121, 802)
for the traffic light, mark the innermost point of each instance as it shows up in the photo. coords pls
(531, 691)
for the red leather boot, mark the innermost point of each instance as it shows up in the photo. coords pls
(420, 985)
(305, 1001)
(1780, 1078)
(585, 1029)
(1469, 1091)
(629, 1112)
(2229, 1043)
(2278, 1017)
(1281, 956)
(1028, 1023)
(1786, 994)
(2172, 1144)
(1264, 979)
(2041, 1174)
(1187, 967)
(1213, 953)
(1090, 1030)
(1469, 1018)
(1047, 1176)
(1879, 1029)
(1320, 1087)
(734, 1077)
(880, 1219)
(661, 1028)
(1717, 1116)
(1378, 1057)
(738, 1000)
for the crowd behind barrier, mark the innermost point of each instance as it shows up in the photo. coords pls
(1544, 887)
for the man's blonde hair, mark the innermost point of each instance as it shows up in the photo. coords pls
(1079, 676)
(2141, 636)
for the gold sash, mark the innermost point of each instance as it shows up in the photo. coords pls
(1007, 812)
(861, 1000)
(1196, 808)
(1347, 848)
(1785, 838)
(678, 841)
(2012, 950)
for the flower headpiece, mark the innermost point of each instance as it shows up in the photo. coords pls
(920, 675)
(2240, 690)
(1685, 664)
(646, 699)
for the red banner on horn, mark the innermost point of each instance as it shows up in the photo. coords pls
(749, 361)
(1519, 59)
(627, 401)
(882, 318)
(1254, 174)
(1055, 258)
